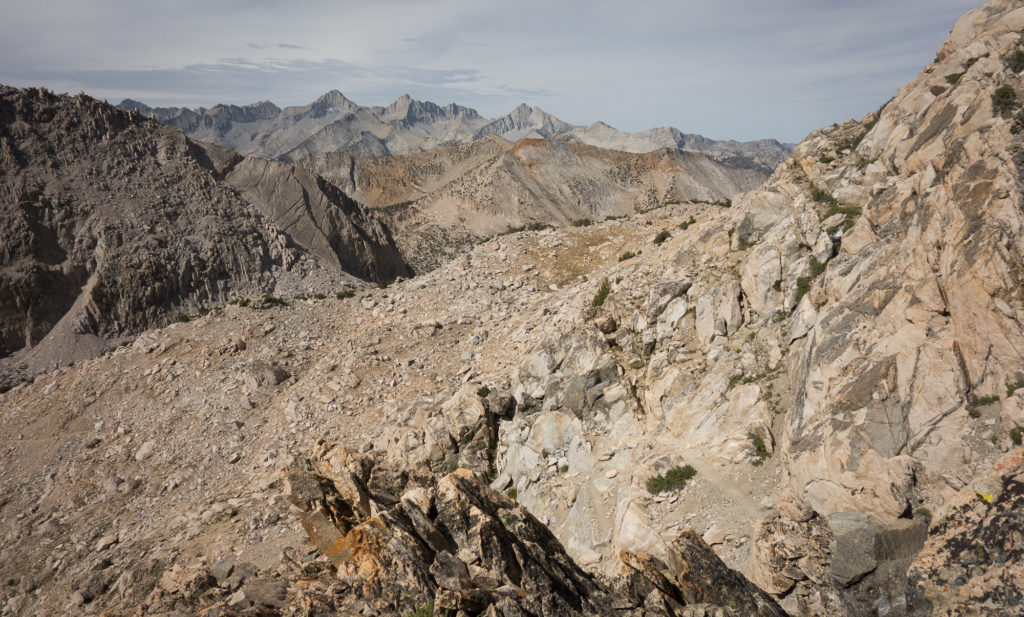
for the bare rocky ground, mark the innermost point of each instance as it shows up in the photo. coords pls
(168, 449)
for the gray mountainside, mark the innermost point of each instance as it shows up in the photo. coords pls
(408, 126)
(810, 403)
(113, 223)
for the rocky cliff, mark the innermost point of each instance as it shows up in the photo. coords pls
(113, 223)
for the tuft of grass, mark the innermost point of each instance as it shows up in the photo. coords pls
(627, 255)
(602, 293)
(662, 236)
(483, 391)
(1004, 99)
(348, 293)
(673, 479)
(760, 449)
(817, 267)
(952, 78)
(824, 197)
(512, 493)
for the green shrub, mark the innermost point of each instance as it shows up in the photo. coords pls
(760, 449)
(483, 391)
(1017, 436)
(825, 159)
(954, 77)
(385, 283)
(269, 300)
(538, 226)
(817, 267)
(803, 285)
(348, 293)
(674, 479)
(584, 222)
(183, 318)
(662, 236)
(627, 255)
(320, 296)
(1004, 99)
(6, 388)
(1017, 62)
(602, 293)
(512, 493)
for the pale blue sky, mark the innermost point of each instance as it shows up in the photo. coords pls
(727, 69)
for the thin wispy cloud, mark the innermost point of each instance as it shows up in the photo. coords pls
(738, 69)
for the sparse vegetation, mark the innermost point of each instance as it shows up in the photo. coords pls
(952, 78)
(483, 391)
(1017, 61)
(602, 293)
(584, 222)
(1017, 435)
(319, 296)
(662, 236)
(760, 449)
(627, 255)
(5, 388)
(1013, 386)
(674, 479)
(385, 283)
(824, 197)
(826, 159)
(817, 267)
(427, 610)
(269, 300)
(512, 493)
(977, 402)
(686, 224)
(1004, 99)
(736, 380)
(347, 293)
(183, 318)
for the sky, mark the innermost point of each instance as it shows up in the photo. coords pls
(726, 69)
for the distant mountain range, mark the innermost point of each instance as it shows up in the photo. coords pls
(407, 126)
